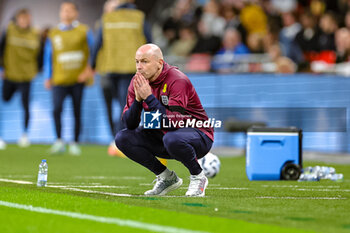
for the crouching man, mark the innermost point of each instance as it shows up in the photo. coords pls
(176, 112)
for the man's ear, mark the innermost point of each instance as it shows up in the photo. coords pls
(161, 62)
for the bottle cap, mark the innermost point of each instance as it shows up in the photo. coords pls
(44, 160)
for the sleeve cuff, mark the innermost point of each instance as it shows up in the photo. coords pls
(151, 101)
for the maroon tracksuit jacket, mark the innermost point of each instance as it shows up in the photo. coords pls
(173, 95)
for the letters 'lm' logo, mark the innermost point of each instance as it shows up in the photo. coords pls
(151, 120)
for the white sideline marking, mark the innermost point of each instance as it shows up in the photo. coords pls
(16, 181)
(311, 198)
(116, 221)
(231, 188)
(79, 190)
(87, 186)
(111, 177)
(222, 188)
(325, 190)
(98, 192)
(298, 186)
(18, 176)
(83, 183)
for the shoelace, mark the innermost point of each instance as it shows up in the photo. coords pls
(158, 181)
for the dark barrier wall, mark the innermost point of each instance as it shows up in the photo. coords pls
(317, 104)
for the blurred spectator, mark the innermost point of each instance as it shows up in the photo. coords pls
(317, 7)
(231, 16)
(223, 60)
(287, 36)
(206, 43)
(307, 40)
(347, 20)
(254, 19)
(328, 26)
(308, 37)
(186, 42)
(66, 70)
(43, 36)
(284, 6)
(123, 31)
(284, 65)
(214, 23)
(108, 7)
(182, 13)
(205, 47)
(278, 63)
(255, 43)
(342, 43)
(20, 51)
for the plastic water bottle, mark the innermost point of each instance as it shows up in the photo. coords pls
(42, 175)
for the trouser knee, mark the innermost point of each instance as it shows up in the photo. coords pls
(172, 144)
(123, 139)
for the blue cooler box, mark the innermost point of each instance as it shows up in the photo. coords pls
(274, 153)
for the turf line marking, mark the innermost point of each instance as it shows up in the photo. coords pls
(116, 221)
(80, 190)
(298, 186)
(110, 177)
(325, 190)
(97, 192)
(16, 181)
(87, 186)
(311, 198)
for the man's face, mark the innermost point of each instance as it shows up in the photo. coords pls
(146, 64)
(68, 12)
(23, 20)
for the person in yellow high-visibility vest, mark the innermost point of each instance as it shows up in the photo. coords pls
(122, 31)
(66, 55)
(19, 51)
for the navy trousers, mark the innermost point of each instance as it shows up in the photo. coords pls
(9, 88)
(115, 86)
(59, 94)
(143, 145)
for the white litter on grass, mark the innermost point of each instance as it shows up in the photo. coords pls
(311, 198)
(117, 221)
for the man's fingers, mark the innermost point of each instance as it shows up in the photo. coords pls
(138, 82)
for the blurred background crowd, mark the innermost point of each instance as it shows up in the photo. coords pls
(227, 36)
(256, 35)
(212, 37)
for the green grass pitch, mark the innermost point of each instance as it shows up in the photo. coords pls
(98, 193)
